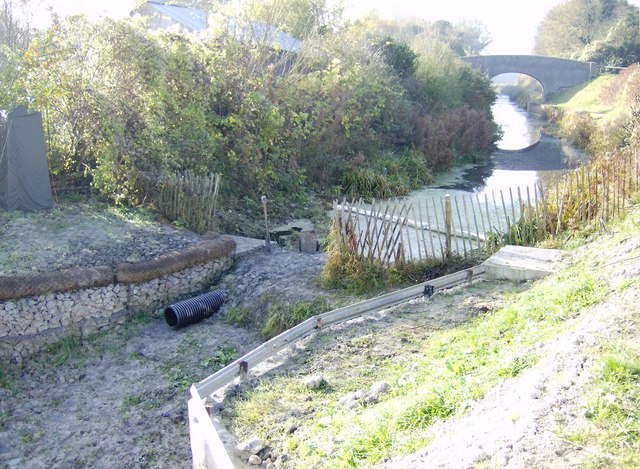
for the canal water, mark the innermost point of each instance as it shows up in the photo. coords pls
(524, 158)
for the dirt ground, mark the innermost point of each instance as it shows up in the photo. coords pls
(120, 399)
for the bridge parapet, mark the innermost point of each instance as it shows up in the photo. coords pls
(554, 74)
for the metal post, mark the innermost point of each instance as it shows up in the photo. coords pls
(267, 237)
(448, 223)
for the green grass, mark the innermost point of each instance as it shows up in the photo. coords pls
(181, 373)
(284, 315)
(65, 349)
(614, 410)
(448, 368)
(586, 97)
(6, 379)
(239, 316)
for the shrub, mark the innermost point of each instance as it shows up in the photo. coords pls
(578, 128)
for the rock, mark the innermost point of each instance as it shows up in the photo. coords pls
(255, 460)
(249, 448)
(370, 400)
(378, 389)
(351, 400)
(313, 382)
(482, 456)
(134, 257)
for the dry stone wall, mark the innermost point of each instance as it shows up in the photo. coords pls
(29, 322)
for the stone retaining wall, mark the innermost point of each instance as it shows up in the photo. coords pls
(29, 323)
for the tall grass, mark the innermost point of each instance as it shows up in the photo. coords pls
(284, 315)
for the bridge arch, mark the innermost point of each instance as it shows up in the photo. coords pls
(554, 74)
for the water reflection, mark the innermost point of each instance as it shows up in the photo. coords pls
(520, 128)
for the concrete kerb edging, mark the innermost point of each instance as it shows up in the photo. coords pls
(207, 448)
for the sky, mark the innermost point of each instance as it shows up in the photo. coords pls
(511, 23)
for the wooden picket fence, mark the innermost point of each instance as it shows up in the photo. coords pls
(190, 199)
(436, 228)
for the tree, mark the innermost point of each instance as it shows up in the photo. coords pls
(398, 56)
(463, 38)
(596, 30)
(13, 34)
(299, 18)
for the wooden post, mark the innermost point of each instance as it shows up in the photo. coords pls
(564, 187)
(495, 207)
(419, 231)
(464, 244)
(484, 228)
(532, 233)
(545, 212)
(373, 230)
(504, 208)
(468, 223)
(407, 228)
(475, 222)
(267, 236)
(514, 220)
(379, 246)
(448, 223)
(570, 195)
(433, 249)
(435, 211)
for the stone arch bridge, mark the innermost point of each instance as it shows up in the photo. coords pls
(554, 74)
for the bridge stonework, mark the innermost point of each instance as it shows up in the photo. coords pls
(554, 74)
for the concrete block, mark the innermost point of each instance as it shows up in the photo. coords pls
(522, 263)
(308, 242)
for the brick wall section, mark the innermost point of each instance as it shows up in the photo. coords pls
(29, 323)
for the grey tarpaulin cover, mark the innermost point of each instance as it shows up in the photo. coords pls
(24, 171)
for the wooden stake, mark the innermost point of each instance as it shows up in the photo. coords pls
(443, 251)
(406, 229)
(495, 206)
(514, 220)
(468, 224)
(564, 188)
(475, 222)
(504, 208)
(448, 224)
(464, 244)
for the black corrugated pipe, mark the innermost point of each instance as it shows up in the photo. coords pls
(195, 309)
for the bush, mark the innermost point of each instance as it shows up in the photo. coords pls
(123, 106)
